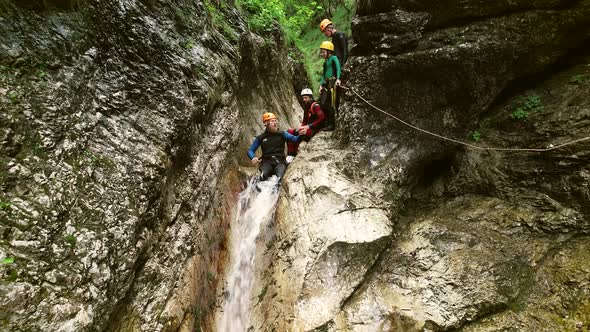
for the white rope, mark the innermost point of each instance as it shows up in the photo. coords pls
(465, 143)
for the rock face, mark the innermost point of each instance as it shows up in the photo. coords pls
(123, 123)
(329, 232)
(428, 235)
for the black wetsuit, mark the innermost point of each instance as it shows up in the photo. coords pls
(340, 47)
(273, 152)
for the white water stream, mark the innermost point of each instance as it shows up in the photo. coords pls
(254, 209)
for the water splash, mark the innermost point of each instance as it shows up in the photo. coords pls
(254, 209)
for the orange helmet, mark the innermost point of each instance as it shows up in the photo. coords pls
(268, 116)
(325, 22)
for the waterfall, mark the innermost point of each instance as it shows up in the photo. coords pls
(256, 207)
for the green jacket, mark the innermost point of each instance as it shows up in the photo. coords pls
(331, 69)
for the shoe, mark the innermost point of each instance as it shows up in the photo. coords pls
(290, 159)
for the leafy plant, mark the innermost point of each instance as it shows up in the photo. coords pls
(578, 79)
(4, 205)
(13, 95)
(41, 74)
(189, 44)
(11, 275)
(262, 293)
(7, 261)
(198, 314)
(526, 106)
(210, 276)
(519, 115)
(475, 136)
(71, 240)
(292, 16)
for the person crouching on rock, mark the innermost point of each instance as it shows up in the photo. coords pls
(330, 80)
(272, 143)
(313, 120)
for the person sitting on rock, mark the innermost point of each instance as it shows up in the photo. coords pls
(339, 40)
(313, 120)
(272, 143)
(330, 80)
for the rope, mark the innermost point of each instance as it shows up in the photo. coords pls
(473, 146)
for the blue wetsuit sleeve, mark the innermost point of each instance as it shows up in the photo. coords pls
(291, 138)
(252, 148)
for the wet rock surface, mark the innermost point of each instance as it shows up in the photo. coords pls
(328, 232)
(122, 126)
(479, 240)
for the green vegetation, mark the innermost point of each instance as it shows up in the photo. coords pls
(7, 261)
(519, 115)
(71, 240)
(291, 15)
(262, 293)
(475, 136)
(219, 22)
(98, 161)
(11, 275)
(40, 74)
(210, 276)
(198, 315)
(188, 44)
(299, 21)
(312, 37)
(13, 96)
(4, 205)
(88, 158)
(526, 106)
(579, 79)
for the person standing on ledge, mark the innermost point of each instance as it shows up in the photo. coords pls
(329, 83)
(339, 40)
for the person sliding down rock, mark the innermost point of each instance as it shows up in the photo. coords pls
(313, 120)
(330, 80)
(272, 143)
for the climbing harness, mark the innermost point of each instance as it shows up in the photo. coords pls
(465, 143)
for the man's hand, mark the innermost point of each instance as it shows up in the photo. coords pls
(338, 82)
(303, 130)
(255, 161)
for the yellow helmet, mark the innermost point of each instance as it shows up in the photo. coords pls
(325, 22)
(327, 45)
(268, 116)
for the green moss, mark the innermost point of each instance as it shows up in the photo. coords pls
(579, 79)
(198, 314)
(578, 320)
(262, 293)
(71, 240)
(11, 275)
